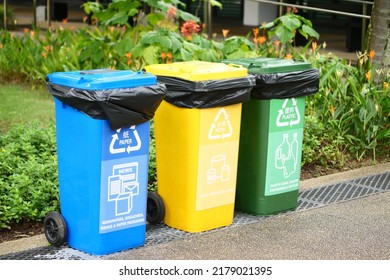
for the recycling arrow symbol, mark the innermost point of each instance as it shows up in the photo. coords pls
(279, 120)
(127, 149)
(213, 133)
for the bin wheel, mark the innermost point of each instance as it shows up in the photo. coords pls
(155, 208)
(55, 228)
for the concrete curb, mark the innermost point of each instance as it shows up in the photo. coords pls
(37, 241)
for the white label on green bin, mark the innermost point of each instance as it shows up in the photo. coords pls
(284, 145)
(123, 178)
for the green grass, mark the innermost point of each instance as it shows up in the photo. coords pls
(21, 104)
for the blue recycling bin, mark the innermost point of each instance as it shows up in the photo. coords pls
(103, 164)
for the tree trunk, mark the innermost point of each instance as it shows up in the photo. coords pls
(379, 38)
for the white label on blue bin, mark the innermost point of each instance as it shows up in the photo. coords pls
(124, 178)
(125, 141)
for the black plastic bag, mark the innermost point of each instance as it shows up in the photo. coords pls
(286, 84)
(207, 94)
(120, 106)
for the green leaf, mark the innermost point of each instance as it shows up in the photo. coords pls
(187, 16)
(216, 4)
(165, 42)
(153, 18)
(310, 31)
(284, 34)
(150, 54)
(124, 46)
(176, 44)
(192, 48)
(186, 55)
(290, 22)
(268, 25)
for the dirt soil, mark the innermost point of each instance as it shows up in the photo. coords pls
(27, 229)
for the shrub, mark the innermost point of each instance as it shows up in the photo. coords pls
(28, 173)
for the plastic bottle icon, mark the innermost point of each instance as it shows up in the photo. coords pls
(286, 155)
(294, 149)
(282, 153)
(225, 173)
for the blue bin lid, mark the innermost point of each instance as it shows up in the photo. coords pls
(101, 79)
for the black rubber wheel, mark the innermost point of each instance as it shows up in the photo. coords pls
(55, 228)
(155, 208)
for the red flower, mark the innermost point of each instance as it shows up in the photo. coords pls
(189, 27)
(172, 12)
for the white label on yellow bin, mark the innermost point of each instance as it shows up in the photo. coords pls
(218, 156)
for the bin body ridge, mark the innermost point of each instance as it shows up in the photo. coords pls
(270, 155)
(271, 139)
(103, 152)
(102, 195)
(197, 130)
(198, 149)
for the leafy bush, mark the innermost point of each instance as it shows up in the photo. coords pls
(351, 106)
(350, 101)
(28, 173)
(321, 147)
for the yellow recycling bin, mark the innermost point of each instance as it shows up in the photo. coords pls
(197, 130)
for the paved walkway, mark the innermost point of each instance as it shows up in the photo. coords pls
(345, 216)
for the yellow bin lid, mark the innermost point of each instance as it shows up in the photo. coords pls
(198, 70)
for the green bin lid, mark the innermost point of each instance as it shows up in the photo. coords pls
(262, 65)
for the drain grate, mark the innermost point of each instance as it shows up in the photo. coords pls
(344, 191)
(157, 234)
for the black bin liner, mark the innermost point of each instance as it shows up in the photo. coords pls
(207, 94)
(286, 84)
(120, 106)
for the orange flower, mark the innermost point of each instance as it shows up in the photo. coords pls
(368, 75)
(385, 85)
(128, 55)
(261, 40)
(48, 48)
(65, 20)
(314, 46)
(32, 33)
(225, 32)
(371, 55)
(332, 109)
(255, 32)
(26, 30)
(44, 55)
(1, 46)
(288, 56)
(163, 55)
(277, 43)
(169, 55)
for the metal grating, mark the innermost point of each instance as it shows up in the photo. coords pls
(344, 191)
(157, 234)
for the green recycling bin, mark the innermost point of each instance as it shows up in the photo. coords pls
(271, 136)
